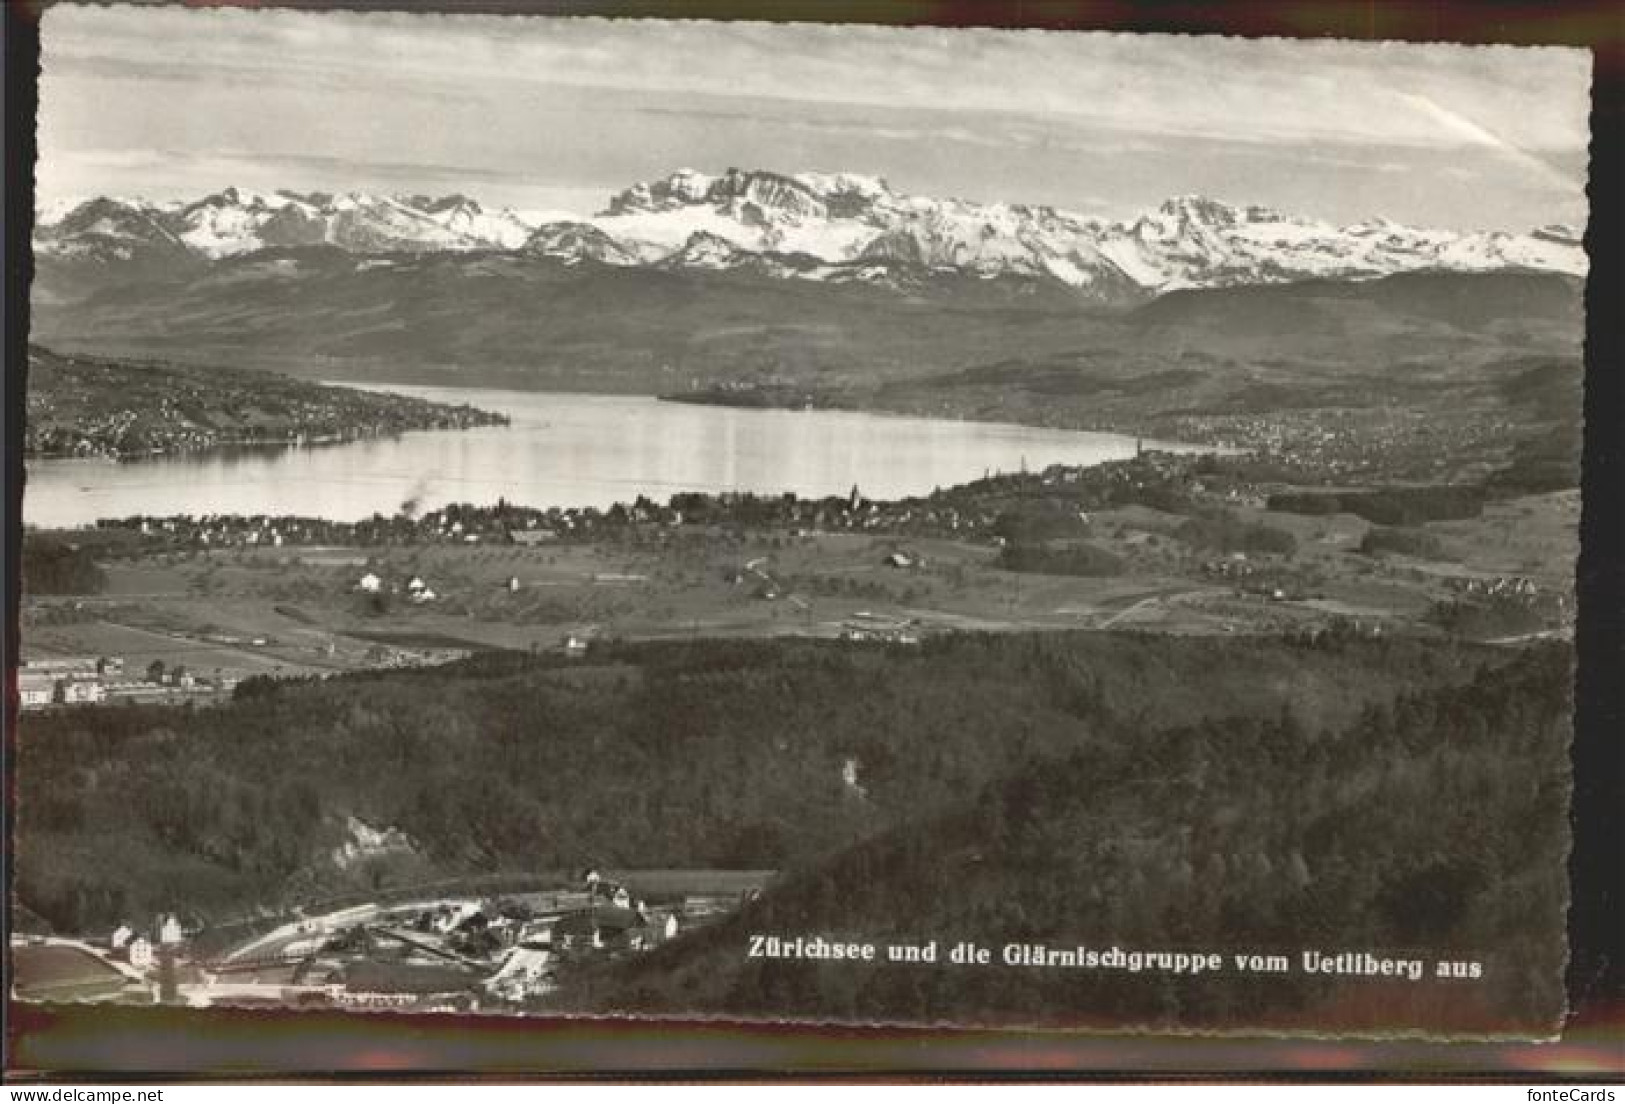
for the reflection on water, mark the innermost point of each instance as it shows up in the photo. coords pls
(563, 450)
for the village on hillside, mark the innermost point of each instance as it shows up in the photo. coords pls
(445, 952)
(186, 609)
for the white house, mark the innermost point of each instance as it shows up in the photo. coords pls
(170, 930)
(81, 691)
(35, 691)
(121, 935)
(370, 583)
(140, 952)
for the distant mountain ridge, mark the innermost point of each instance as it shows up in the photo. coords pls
(827, 227)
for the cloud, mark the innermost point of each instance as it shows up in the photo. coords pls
(532, 106)
(1243, 89)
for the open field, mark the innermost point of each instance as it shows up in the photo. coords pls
(281, 611)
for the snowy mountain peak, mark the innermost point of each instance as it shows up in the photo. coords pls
(705, 250)
(578, 241)
(233, 196)
(828, 185)
(108, 231)
(115, 218)
(689, 184)
(455, 203)
(762, 196)
(237, 220)
(1200, 209)
(820, 226)
(683, 187)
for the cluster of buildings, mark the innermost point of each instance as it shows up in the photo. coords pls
(443, 955)
(413, 589)
(78, 406)
(166, 427)
(864, 626)
(394, 655)
(89, 680)
(1349, 443)
(462, 955)
(131, 965)
(50, 683)
(99, 434)
(1267, 575)
(968, 511)
(1502, 586)
(447, 955)
(1512, 592)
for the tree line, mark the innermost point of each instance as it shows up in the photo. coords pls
(702, 753)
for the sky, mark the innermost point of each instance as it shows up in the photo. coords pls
(556, 114)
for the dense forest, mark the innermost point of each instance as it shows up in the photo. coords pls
(745, 754)
(1394, 506)
(1431, 826)
(51, 565)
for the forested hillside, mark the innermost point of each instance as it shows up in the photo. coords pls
(764, 754)
(1431, 827)
(54, 566)
(82, 406)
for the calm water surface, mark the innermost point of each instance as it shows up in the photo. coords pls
(564, 450)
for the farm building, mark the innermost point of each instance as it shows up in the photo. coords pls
(139, 952)
(605, 927)
(82, 691)
(35, 691)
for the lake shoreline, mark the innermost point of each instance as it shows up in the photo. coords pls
(83, 407)
(391, 378)
(569, 449)
(1160, 441)
(813, 402)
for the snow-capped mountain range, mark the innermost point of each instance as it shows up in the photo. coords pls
(835, 227)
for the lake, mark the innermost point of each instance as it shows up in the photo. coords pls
(564, 450)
